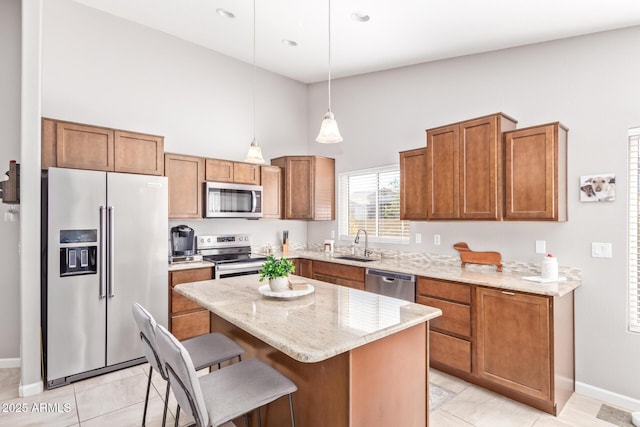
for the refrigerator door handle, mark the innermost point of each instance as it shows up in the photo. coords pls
(112, 290)
(103, 253)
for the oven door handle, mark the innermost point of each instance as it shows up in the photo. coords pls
(221, 269)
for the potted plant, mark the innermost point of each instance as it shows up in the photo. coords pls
(277, 271)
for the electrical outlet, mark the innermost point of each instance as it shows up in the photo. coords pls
(436, 239)
(601, 250)
(541, 246)
(418, 238)
(333, 234)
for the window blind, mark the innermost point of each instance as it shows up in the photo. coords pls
(634, 201)
(370, 199)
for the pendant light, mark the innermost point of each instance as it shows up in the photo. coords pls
(329, 132)
(255, 153)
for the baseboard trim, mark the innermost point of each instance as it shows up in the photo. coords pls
(30, 389)
(10, 363)
(608, 396)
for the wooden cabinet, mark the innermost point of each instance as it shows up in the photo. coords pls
(339, 274)
(219, 170)
(79, 146)
(304, 267)
(451, 333)
(464, 169)
(525, 346)
(536, 173)
(309, 187)
(413, 184)
(272, 189)
(228, 171)
(187, 318)
(186, 177)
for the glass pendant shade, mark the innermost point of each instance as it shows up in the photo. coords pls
(329, 132)
(255, 153)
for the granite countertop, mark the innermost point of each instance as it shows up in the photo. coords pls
(190, 265)
(472, 274)
(311, 328)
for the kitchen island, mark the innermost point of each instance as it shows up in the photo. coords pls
(358, 359)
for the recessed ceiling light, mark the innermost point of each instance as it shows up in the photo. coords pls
(359, 17)
(288, 42)
(225, 13)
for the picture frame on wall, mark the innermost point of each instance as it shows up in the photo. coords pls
(598, 188)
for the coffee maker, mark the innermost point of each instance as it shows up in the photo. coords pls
(183, 242)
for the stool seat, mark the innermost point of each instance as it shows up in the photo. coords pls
(211, 349)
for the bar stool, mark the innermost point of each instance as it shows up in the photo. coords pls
(221, 395)
(205, 351)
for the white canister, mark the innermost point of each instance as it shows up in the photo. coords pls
(549, 268)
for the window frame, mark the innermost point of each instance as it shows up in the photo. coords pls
(633, 303)
(343, 208)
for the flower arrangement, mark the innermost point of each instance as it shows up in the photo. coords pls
(274, 268)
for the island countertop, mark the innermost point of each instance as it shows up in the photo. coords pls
(311, 328)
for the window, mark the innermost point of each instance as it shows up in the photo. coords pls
(634, 236)
(370, 199)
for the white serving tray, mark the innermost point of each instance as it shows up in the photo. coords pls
(288, 294)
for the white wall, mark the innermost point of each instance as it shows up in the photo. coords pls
(126, 76)
(588, 83)
(9, 150)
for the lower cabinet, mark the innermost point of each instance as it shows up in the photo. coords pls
(339, 274)
(187, 319)
(304, 267)
(517, 344)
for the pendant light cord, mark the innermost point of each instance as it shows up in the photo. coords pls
(254, 71)
(329, 85)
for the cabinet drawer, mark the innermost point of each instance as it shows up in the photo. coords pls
(456, 318)
(450, 351)
(190, 325)
(180, 303)
(194, 275)
(340, 281)
(444, 290)
(339, 270)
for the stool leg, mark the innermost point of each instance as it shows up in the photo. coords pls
(177, 415)
(146, 400)
(246, 420)
(293, 422)
(166, 405)
(259, 418)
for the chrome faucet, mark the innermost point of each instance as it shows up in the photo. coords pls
(367, 252)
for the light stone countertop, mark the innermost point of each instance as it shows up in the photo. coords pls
(190, 265)
(311, 328)
(472, 274)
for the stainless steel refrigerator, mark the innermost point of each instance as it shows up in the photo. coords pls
(105, 243)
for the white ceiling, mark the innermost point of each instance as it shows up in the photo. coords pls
(399, 32)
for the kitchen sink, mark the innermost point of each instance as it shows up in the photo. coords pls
(355, 258)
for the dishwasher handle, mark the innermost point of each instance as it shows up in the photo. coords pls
(389, 276)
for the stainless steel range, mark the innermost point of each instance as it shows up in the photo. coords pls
(231, 254)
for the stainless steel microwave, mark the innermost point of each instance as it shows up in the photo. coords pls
(228, 200)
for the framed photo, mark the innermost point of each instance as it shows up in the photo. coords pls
(598, 188)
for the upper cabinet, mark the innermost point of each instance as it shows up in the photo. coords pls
(309, 187)
(464, 169)
(413, 184)
(272, 189)
(79, 146)
(228, 171)
(536, 173)
(186, 177)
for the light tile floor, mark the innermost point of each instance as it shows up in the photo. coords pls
(117, 399)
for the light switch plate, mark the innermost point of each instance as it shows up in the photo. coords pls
(418, 238)
(601, 250)
(541, 246)
(436, 239)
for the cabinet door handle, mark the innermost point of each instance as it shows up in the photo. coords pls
(508, 293)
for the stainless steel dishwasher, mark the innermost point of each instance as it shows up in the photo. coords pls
(387, 283)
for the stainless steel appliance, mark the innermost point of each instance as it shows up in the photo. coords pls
(396, 285)
(231, 254)
(183, 240)
(227, 200)
(104, 248)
